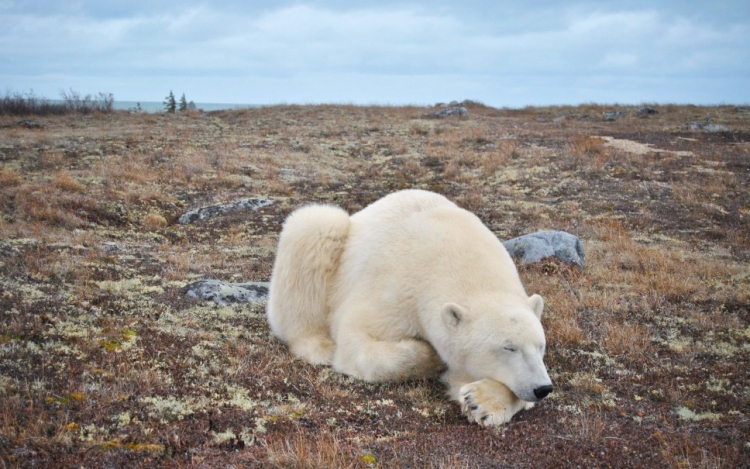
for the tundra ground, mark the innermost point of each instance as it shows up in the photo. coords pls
(104, 362)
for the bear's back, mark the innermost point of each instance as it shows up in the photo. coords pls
(385, 232)
(417, 240)
(400, 205)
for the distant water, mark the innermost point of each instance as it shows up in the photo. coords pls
(153, 106)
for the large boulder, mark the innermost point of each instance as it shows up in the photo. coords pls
(705, 126)
(534, 247)
(225, 293)
(213, 210)
(459, 111)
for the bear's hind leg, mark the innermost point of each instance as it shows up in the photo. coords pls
(310, 245)
(316, 349)
(379, 361)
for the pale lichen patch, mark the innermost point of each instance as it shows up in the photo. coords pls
(686, 414)
(718, 385)
(123, 419)
(169, 408)
(224, 436)
(239, 397)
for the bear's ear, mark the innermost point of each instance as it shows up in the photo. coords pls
(537, 304)
(453, 315)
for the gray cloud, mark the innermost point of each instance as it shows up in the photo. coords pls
(328, 51)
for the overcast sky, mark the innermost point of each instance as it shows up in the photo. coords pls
(381, 52)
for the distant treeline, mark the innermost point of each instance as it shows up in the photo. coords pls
(19, 104)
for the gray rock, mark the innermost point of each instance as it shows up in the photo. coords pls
(110, 247)
(646, 111)
(28, 124)
(613, 115)
(224, 293)
(471, 102)
(8, 250)
(714, 128)
(460, 111)
(534, 247)
(213, 210)
(706, 126)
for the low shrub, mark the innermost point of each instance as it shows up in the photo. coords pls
(19, 104)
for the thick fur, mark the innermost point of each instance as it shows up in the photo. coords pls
(403, 288)
(309, 249)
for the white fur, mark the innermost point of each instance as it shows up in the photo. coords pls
(399, 290)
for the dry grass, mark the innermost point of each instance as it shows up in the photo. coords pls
(323, 452)
(632, 341)
(587, 152)
(10, 177)
(105, 361)
(65, 182)
(154, 222)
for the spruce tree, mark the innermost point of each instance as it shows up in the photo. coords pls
(170, 105)
(183, 103)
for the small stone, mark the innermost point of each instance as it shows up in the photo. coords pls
(28, 124)
(613, 115)
(110, 247)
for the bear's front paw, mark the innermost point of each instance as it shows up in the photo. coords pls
(488, 402)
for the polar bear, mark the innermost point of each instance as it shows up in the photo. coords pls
(407, 287)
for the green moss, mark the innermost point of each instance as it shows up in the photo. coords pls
(113, 445)
(67, 399)
(110, 345)
(5, 338)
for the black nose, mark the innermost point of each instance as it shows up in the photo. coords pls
(542, 391)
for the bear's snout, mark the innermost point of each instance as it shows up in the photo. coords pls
(542, 391)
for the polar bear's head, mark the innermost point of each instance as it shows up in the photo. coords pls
(500, 340)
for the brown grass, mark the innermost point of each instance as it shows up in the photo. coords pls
(64, 181)
(564, 328)
(321, 452)
(106, 362)
(587, 152)
(154, 222)
(629, 340)
(10, 177)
